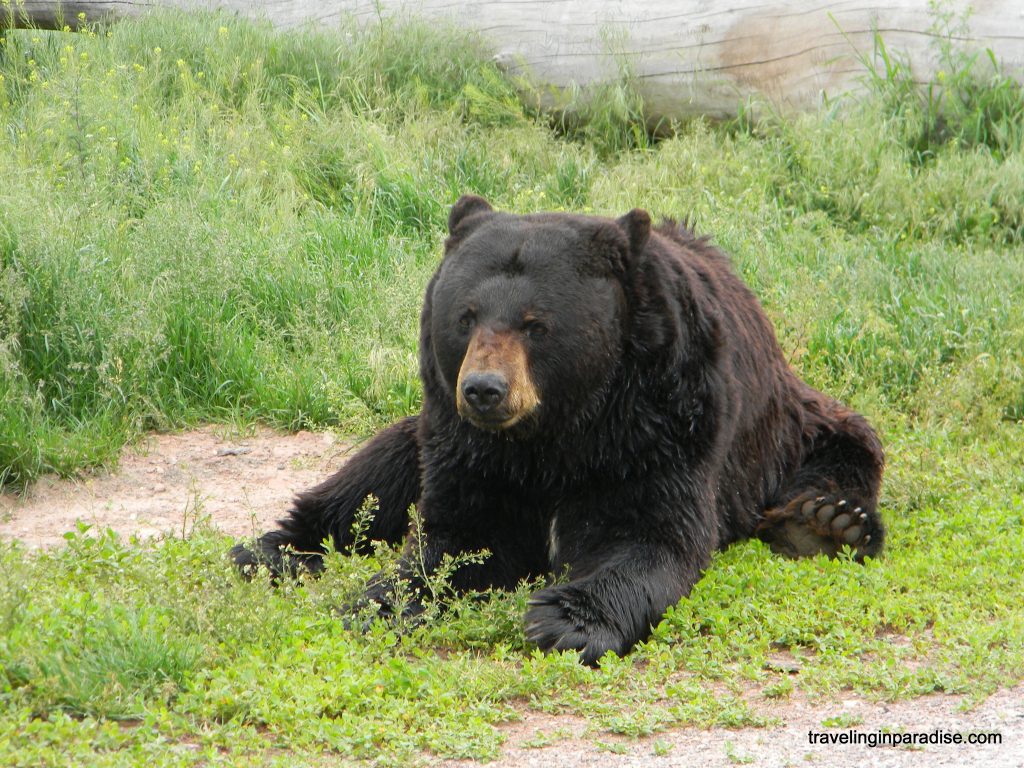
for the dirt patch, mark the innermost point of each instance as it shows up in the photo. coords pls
(546, 740)
(243, 482)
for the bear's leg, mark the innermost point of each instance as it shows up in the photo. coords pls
(613, 606)
(631, 552)
(832, 499)
(386, 467)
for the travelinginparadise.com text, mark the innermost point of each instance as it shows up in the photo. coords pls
(894, 739)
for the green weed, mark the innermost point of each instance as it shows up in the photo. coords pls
(608, 116)
(973, 101)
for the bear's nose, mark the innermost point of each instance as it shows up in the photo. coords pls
(484, 391)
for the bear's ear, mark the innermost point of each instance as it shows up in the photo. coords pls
(465, 207)
(637, 226)
(608, 249)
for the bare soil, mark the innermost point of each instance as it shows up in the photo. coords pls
(576, 743)
(243, 482)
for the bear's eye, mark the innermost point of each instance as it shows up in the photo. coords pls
(535, 329)
(468, 319)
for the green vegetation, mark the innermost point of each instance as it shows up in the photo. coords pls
(203, 219)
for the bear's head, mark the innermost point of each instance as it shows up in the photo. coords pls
(528, 314)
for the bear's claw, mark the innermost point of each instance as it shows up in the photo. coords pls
(811, 524)
(564, 619)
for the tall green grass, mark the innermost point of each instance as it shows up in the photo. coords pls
(202, 218)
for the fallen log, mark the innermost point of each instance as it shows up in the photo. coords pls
(684, 57)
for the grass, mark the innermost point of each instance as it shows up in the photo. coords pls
(203, 219)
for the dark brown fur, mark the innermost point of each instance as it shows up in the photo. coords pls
(664, 423)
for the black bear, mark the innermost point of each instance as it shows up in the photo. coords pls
(599, 398)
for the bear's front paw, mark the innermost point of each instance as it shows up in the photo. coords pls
(378, 602)
(276, 552)
(567, 618)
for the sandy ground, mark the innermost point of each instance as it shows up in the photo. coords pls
(788, 744)
(244, 482)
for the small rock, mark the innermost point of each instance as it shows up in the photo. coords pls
(239, 451)
(782, 663)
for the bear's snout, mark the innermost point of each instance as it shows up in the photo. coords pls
(485, 391)
(495, 390)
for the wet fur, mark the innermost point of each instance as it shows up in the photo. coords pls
(689, 433)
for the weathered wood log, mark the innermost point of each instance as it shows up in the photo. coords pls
(685, 57)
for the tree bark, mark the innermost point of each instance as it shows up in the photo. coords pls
(684, 57)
